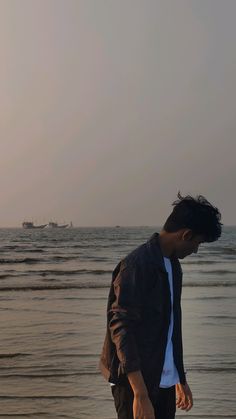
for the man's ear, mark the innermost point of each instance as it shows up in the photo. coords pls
(187, 234)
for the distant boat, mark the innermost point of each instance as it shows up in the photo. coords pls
(29, 224)
(55, 225)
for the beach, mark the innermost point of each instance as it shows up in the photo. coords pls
(54, 287)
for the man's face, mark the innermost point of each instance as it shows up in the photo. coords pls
(188, 244)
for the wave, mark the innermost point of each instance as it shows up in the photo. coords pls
(99, 286)
(223, 250)
(11, 275)
(210, 284)
(218, 297)
(24, 260)
(38, 260)
(217, 272)
(99, 246)
(81, 355)
(63, 258)
(95, 258)
(55, 273)
(64, 374)
(57, 397)
(13, 355)
(5, 276)
(24, 415)
(221, 317)
(10, 247)
(213, 369)
(228, 250)
(202, 262)
(74, 272)
(214, 416)
(24, 250)
(53, 287)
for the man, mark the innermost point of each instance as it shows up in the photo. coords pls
(142, 355)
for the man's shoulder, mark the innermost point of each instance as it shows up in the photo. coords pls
(137, 256)
(143, 256)
(134, 258)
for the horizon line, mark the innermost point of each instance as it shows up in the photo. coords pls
(112, 226)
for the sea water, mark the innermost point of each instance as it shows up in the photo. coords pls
(54, 286)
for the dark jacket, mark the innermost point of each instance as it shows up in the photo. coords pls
(138, 317)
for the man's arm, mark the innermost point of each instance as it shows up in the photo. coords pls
(142, 406)
(137, 383)
(123, 317)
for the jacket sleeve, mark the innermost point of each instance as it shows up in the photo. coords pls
(124, 315)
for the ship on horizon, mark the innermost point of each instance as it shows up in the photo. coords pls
(30, 224)
(53, 224)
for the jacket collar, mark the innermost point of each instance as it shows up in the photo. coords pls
(157, 258)
(156, 253)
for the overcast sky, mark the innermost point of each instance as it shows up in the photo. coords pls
(109, 107)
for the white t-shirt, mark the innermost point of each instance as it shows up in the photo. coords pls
(170, 374)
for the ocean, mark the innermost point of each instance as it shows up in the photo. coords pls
(54, 286)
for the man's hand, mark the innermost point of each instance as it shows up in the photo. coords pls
(142, 407)
(184, 398)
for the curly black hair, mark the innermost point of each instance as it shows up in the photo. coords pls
(197, 214)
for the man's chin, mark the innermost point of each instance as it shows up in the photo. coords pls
(182, 256)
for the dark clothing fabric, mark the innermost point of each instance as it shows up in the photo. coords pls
(138, 317)
(163, 401)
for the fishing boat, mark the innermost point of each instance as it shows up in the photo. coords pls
(55, 225)
(29, 224)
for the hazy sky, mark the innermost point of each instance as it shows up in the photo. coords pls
(109, 107)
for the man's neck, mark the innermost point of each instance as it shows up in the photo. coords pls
(166, 244)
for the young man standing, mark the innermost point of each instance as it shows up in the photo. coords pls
(142, 355)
